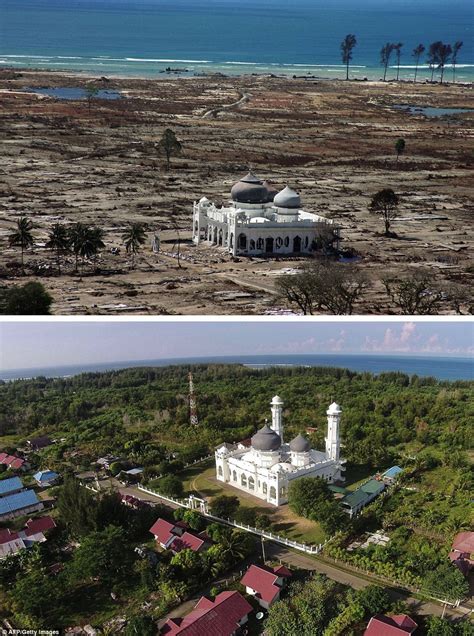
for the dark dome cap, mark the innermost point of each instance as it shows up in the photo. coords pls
(266, 439)
(300, 444)
(250, 189)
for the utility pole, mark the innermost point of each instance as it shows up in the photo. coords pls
(192, 402)
(263, 551)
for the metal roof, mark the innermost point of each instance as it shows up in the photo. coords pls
(9, 485)
(18, 501)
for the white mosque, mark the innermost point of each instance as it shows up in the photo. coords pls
(260, 220)
(267, 467)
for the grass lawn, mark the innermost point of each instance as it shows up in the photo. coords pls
(201, 480)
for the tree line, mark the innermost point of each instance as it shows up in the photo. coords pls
(439, 55)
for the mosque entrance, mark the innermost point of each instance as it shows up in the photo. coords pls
(242, 242)
(269, 245)
(297, 244)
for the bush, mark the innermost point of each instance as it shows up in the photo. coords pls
(171, 486)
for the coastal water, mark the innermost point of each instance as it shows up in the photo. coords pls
(441, 368)
(302, 37)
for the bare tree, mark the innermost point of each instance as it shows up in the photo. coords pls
(169, 145)
(347, 46)
(417, 53)
(454, 57)
(415, 294)
(385, 55)
(385, 203)
(323, 286)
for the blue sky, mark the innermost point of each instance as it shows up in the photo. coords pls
(42, 344)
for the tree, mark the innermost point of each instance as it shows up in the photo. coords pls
(104, 555)
(28, 300)
(385, 55)
(224, 506)
(76, 507)
(454, 57)
(235, 546)
(417, 53)
(194, 520)
(189, 562)
(444, 56)
(399, 147)
(323, 286)
(447, 583)
(58, 242)
(133, 238)
(398, 50)
(416, 294)
(437, 626)
(306, 493)
(140, 626)
(85, 241)
(22, 236)
(91, 93)
(171, 486)
(374, 599)
(347, 46)
(34, 592)
(385, 203)
(169, 145)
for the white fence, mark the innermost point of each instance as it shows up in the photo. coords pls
(265, 534)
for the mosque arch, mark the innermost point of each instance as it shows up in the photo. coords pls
(269, 245)
(287, 241)
(264, 488)
(231, 242)
(306, 241)
(297, 244)
(219, 471)
(273, 494)
(196, 227)
(260, 244)
(214, 238)
(221, 237)
(242, 242)
(234, 475)
(251, 483)
(252, 244)
(279, 242)
(243, 480)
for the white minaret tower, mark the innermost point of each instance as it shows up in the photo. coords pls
(277, 418)
(332, 439)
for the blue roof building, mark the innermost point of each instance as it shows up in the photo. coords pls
(21, 503)
(392, 473)
(46, 477)
(9, 486)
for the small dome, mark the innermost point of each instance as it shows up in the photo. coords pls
(266, 439)
(287, 198)
(250, 189)
(300, 444)
(204, 200)
(277, 400)
(334, 409)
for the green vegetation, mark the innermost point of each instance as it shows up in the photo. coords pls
(27, 300)
(312, 498)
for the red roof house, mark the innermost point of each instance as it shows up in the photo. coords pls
(41, 524)
(177, 537)
(265, 583)
(462, 552)
(190, 541)
(164, 532)
(398, 625)
(33, 532)
(222, 617)
(12, 461)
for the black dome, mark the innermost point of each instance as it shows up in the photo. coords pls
(250, 189)
(300, 444)
(266, 439)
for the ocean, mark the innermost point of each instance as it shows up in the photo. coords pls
(440, 368)
(141, 38)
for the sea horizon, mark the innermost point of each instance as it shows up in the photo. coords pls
(450, 368)
(141, 38)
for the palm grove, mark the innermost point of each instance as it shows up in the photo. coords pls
(439, 55)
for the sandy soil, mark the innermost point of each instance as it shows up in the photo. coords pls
(331, 140)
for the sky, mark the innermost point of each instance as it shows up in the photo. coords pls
(25, 345)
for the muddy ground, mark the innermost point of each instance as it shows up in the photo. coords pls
(333, 141)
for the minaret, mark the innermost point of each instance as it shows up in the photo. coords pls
(277, 418)
(332, 439)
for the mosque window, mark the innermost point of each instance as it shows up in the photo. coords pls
(279, 242)
(219, 471)
(287, 241)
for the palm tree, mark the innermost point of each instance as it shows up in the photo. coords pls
(454, 58)
(417, 53)
(232, 547)
(22, 236)
(444, 55)
(398, 49)
(347, 46)
(385, 54)
(86, 242)
(58, 242)
(433, 56)
(134, 237)
(76, 233)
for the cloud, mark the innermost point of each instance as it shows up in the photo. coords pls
(309, 345)
(402, 340)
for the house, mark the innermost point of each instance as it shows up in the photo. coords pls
(398, 625)
(13, 462)
(10, 486)
(133, 502)
(391, 475)
(19, 503)
(355, 501)
(45, 478)
(33, 532)
(37, 443)
(224, 616)
(106, 461)
(265, 583)
(176, 536)
(462, 551)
